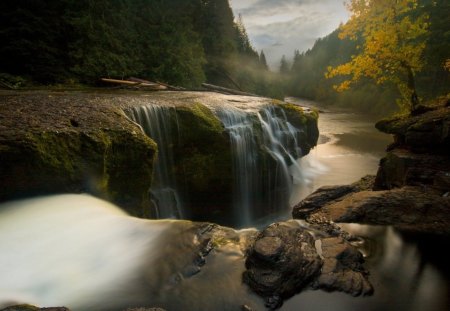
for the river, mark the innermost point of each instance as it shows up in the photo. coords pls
(349, 148)
(409, 272)
(87, 255)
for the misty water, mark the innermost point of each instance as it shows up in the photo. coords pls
(408, 272)
(86, 254)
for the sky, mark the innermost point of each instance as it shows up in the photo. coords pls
(281, 26)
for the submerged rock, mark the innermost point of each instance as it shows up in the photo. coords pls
(287, 257)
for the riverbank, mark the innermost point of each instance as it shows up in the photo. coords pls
(411, 189)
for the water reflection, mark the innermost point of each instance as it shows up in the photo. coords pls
(349, 148)
(403, 276)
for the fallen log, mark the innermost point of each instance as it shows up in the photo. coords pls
(147, 85)
(226, 91)
(6, 85)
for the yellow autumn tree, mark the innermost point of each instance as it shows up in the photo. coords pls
(393, 40)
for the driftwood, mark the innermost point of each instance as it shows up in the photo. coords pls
(172, 87)
(147, 84)
(226, 91)
(6, 85)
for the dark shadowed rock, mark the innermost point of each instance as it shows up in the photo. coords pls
(342, 268)
(285, 258)
(411, 208)
(402, 167)
(423, 132)
(282, 261)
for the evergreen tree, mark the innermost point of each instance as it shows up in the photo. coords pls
(263, 61)
(284, 66)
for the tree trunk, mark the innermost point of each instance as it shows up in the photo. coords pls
(412, 87)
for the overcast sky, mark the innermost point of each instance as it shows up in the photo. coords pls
(281, 26)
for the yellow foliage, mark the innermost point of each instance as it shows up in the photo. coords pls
(393, 42)
(447, 64)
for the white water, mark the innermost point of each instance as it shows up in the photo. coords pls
(156, 123)
(84, 253)
(239, 125)
(264, 149)
(72, 250)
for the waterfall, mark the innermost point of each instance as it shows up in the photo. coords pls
(239, 125)
(157, 123)
(264, 148)
(264, 151)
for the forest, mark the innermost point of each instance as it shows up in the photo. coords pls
(180, 42)
(188, 42)
(306, 78)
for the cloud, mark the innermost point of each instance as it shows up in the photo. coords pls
(281, 26)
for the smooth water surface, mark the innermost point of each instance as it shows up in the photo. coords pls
(349, 148)
(408, 272)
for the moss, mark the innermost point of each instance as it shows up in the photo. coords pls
(203, 163)
(306, 121)
(21, 308)
(115, 165)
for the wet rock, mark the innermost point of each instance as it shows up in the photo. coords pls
(411, 208)
(42, 152)
(326, 194)
(285, 259)
(285, 267)
(318, 198)
(342, 268)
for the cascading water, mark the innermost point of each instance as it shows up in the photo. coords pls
(156, 122)
(264, 150)
(239, 125)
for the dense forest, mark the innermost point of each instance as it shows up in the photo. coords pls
(181, 42)
(188, 42)
(307, 79)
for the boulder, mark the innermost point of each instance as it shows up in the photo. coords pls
(287, 257)
(281, 262)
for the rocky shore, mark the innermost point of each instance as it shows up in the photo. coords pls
(412, 188)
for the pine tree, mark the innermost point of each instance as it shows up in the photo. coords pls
(284, 66)
(263, 61)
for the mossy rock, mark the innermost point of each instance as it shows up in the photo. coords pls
(305, 120)
(65, 144)
(203, 162)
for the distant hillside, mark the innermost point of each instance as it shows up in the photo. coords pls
(307, 79)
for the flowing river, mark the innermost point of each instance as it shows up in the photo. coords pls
(85, 254)
(409, 272)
